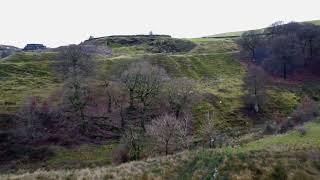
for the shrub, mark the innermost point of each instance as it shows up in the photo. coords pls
(12, 148)
(120, 154)
(135, 140)
(270, 129)
(301, 130)
(305, 111)
(34, 118)
(166, 132)
(300, 175)
(170, 45)
(279, 173)
(286, 126)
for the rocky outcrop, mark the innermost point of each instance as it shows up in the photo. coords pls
(34, 47)
(89, 48)
(124, 40)
(154, 43)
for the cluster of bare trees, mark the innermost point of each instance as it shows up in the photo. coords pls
(147, 106)
(284, 48)
(256, 82)
(158, 107)
(143, 83)
(76, 64)
(141, 105)
(35, 117)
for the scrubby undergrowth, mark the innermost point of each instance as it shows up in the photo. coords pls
(290, 155)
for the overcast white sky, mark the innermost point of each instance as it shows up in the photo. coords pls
(61, 22)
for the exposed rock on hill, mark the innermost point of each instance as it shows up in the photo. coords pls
(152, 43)
(124, 40)
(34, 47)
(90, 48)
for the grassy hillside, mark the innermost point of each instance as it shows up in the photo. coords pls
(239, 33)
(290, 155)
(316, 22)
(23, 75)
(217, 73)
(219, 76)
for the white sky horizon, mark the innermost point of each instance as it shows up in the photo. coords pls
(61, 22)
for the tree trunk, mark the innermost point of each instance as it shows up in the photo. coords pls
(284, 70)
(253, 55)
(107, 84)
(255, 85)
(109, 103)
(84, 121)
(256, 104)
(142, 120)
(122, 117)
(142, 124)
(311, 49)
(166, 148)
(131, 98)
(177, 113)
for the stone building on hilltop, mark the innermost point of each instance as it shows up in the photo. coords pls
(34, 47)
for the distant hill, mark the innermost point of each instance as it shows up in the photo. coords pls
(7, 50)
(239, 33)
(316, 22)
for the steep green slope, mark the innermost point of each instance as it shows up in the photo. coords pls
(218, 76)
(23, 75)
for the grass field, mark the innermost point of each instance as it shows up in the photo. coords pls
(80, 157)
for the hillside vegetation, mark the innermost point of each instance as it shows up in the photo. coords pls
(290, 155)
(239, 33)
(139, 44)
(92, 123)
(23, 75)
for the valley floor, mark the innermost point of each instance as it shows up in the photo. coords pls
(286, 156)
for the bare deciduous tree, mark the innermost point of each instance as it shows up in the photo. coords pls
(275, 29)
(250, 41)
(143, 82)
(117, 99)
(34, 118)
(134, 139)
(76, 64)
(74, 61)
(255, 81)
(308, 35)
(286, 52)
(180, 94)
(29, 116)
(208, 131)
(166, 131)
